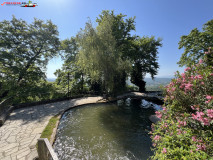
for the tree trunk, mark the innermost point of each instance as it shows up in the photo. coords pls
(142, 86)
(82, 82)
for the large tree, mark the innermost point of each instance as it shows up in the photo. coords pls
(144, 59)
(69, 50)
(99, 55)
(25, 50)
(196, 44)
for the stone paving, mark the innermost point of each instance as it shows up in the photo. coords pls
(19, 134)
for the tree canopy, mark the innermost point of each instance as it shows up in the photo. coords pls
(196, 44)
(109, 52)
(25, 50)
(144, 60)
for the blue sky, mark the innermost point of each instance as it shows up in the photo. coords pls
(168, 19)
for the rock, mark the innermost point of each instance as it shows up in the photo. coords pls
(154, 119)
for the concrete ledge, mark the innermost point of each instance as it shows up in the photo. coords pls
(45, 150)
(5, 114)
(147, 96)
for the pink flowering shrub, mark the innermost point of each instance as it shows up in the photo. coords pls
(185, 130)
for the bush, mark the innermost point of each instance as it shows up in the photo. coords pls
(186, 127)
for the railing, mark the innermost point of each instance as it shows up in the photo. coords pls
(45, 150)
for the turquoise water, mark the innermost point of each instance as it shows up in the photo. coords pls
(106, 131)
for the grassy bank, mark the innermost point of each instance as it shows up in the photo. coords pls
(48, 131)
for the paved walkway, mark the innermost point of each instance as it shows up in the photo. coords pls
(19, 134)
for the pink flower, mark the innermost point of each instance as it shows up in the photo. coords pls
(206, 121)
(200, 114)
(165, 125)
(194, 138)
(193, 107)
(164, 108)
(207, 101)
(194, 116)
(173, 88)
(200, 61)
(186, 69)
(164, 150)
(204, 147)
(208, 97)
(188, 87)
(157, 138)
(206, 52)
(181, 86)
(202, 83)
(201, 147)
(198, 77)
(210, 113)
(179, 131)
(158, 114)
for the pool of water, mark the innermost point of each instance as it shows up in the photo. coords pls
(106, 131)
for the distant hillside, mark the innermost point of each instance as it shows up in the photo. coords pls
(156, 81)
(51, 79)
(154, 85)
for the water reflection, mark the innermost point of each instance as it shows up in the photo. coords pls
(105, 131)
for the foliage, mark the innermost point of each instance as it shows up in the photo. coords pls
(40, 91)
(25, 50)
(195, 44)
(108, 53)
(185, 129)
(98, 56)
(144, 59)
(69, 50)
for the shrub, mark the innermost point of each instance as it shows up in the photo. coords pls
(185, 130)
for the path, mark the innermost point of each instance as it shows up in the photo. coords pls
(19, 134)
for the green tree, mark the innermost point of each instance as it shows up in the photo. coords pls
(121, 28)
(25, 50)
(141, 52)
(98, 56)
(144, 59)
(69, 50)
(196, 44)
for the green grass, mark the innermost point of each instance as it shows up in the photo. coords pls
(47, 132)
